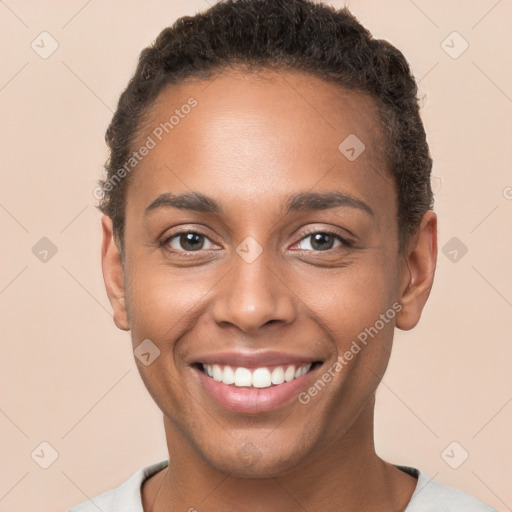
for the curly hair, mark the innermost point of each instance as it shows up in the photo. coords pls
(297, 35)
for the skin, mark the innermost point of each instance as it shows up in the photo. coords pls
(251, 141)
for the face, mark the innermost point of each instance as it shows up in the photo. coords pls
(254, 244)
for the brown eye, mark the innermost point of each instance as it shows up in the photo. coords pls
(321, 241)
(188, 241)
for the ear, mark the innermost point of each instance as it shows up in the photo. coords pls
(418, 272)
(113, 274)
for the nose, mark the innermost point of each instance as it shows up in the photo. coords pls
(253, 295)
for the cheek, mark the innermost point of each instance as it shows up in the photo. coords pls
(350, 299)
(163, 302)
(164, 307)
(355, 309)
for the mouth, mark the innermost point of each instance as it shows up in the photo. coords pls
(253, 389)
(260, 378)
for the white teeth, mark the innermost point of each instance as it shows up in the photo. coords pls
(228, 377)
(217, 372)
(261, 378)
(304, 369)
(277, 375)
(243, 377)
(258, 378)
(289, 374)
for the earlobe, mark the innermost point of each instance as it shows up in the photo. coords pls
(419, 269)
(113, 275)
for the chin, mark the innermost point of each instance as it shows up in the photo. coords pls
(249, 461)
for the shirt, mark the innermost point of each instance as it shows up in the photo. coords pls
(428, 496)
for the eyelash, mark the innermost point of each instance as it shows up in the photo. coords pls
(345, 243)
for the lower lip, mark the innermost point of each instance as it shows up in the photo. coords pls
(253, 400)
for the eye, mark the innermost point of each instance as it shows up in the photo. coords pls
(322, 241)
(188, 241)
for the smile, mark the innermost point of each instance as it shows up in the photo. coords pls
(263, 377)
(258, 389)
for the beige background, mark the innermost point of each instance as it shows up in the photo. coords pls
(68, 375)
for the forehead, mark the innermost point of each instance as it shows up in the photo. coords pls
(251, 133)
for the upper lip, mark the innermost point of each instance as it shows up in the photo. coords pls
(254, 359)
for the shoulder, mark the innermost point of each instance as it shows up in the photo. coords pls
(433, 496)
(126, 497)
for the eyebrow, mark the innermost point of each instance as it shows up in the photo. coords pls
(303, 201)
